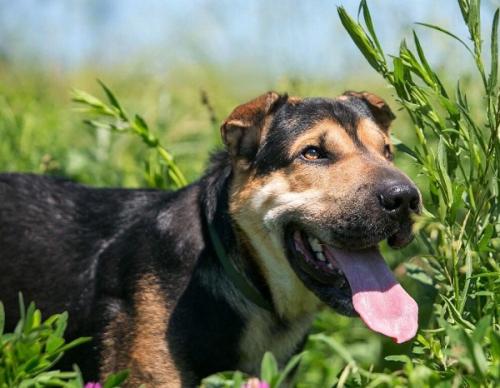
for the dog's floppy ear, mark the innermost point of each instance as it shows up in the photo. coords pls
(242, 130)
(378, 107)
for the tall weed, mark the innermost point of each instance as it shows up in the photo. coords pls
(458, 152)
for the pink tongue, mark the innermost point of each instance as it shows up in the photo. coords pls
(378, 298)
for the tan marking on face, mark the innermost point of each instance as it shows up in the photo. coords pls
(372, 137)
(294, 100)
(335, 137)
(138, 342)
(254, 205)
(353, 165)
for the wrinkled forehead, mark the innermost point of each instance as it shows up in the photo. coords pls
(341, 122)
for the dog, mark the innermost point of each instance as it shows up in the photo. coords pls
(175, 286)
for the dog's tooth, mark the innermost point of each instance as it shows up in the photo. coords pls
(315, 244)
(329, 265)
(320, 256)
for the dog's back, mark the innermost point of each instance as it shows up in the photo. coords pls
(51, 233)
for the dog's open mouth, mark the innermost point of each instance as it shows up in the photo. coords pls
(354, 282)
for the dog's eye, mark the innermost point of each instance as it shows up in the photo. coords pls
(313, 153)
(388, 152)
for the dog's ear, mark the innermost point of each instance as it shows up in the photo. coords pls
(381, 112)
(242, 131)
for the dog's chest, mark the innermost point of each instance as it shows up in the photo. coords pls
(263, 334)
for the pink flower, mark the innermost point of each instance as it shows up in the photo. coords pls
(93, 385)
(255, 383)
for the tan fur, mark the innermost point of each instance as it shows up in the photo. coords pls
(138, 343)
(372, 137)
(335, 136)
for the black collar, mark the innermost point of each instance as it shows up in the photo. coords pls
(237, 278)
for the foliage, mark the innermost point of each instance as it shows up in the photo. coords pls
(29, 354)
(459, 155)
(160, 172)
(269, 373)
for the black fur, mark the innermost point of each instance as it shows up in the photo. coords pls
(79, 249)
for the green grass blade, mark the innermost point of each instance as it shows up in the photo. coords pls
(336, 346)
(400, 146)
(269, 367)
(113, 100)
(115, 379)
(290, 366)
(363, 5)
(492, 80)
(440, 29)
(2, 318)
(426, 66)
(361, 40)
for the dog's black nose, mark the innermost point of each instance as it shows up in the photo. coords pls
(399, 198)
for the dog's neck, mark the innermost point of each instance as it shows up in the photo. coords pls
(212, 306)
(260, 258)
(225, 243)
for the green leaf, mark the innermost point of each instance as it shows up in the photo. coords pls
(495, 344)
(492, 80)
(476, 353)
(268, 368)
(22, 315)
(413, 65)
(440, 29)
(481, 330)
(37, 318)
(485, 239)
(400, 146)
(81, 97)
(415, 272)
(114, 380)
(456, 314)
(141, 123)
(363, 5)
(237, 379)
(361, 40)
(399, 358)
(443, 171)
(113, 100)
(53, 343)
(336, 346)
(2, 319)
(29, 317)
(290, 366)
(75, 343)
(61, 324)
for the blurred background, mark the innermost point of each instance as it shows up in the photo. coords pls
(159, 56)
(184, 65)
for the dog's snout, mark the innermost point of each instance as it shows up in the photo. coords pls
(399, 197)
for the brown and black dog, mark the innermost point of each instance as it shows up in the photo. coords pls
(295, 205)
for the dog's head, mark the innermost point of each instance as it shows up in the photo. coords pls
(314, 191)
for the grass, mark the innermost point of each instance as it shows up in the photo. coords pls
(449, 145)
(29, 354)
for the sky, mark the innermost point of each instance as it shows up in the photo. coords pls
(293, 36)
